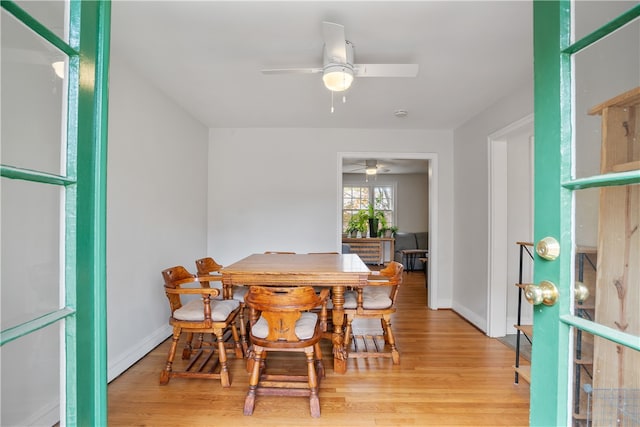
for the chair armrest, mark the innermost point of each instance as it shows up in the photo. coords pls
(324, 294)
(212, 292)
(379, 282)
(209, 278)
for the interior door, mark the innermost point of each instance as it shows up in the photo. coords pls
(54, 123)
(586, 346)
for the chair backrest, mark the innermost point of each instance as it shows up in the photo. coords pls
(393, 273)
(174, 278)
(281, 307)
(206, 266)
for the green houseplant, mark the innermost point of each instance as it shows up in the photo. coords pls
(358, 222)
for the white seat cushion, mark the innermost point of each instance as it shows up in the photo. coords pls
(305, 326)
(193, 311)
(239, 292)
(372, 298)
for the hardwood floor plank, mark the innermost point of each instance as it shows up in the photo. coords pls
(450, 374)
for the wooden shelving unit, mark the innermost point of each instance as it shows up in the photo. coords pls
(523, 372)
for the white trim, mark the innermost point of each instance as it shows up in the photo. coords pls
(137, 352)
(497, 243)
(433, 265)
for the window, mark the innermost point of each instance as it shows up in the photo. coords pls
(357, 198)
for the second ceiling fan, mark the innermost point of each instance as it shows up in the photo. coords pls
(338, 69)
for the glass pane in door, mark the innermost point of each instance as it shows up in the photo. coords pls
(591, 15)
(30, 262)
(30, 386)
(603, 71)
(606, 379)
(33, 100)
(51, 13)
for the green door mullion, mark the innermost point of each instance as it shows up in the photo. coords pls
(36, 324)
(34, 176)
(71, 203)
(608, 180)
(606, 332)
(553, 207)
(91, 329)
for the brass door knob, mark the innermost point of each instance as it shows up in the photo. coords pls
(546, 293)
(548, 248)
(581, 292)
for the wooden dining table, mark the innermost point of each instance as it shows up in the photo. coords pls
(337, 271)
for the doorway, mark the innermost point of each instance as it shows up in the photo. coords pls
(510, 221)
(432, 176)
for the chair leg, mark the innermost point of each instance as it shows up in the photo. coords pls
(187, 350)
(395, 355)
(314, 400)
(250, 400)
(236, 340)
(222, 357)
(165, 375)
(243, 329)
(347, 332)
(318, 361)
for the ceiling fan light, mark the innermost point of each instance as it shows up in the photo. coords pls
(371, 170)
(58, 68)
(337, 78)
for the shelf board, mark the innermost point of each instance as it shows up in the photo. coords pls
(526, 329)
(629, 166)
(580, 416)
(524, 372)
(584, 361)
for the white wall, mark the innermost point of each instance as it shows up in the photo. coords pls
(471, 197)
(156, 210)
(277, 189)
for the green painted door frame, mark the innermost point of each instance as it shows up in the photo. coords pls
(554, 194)
(84, 181)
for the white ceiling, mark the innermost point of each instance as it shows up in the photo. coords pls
(207, 56)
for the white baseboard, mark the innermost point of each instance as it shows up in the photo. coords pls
(48, 415)
(126, 360)
(471, 317)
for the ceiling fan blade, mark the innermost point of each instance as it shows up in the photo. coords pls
(292, 71)
(334, 42)
(386, 70)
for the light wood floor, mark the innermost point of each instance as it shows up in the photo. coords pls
(450, 374)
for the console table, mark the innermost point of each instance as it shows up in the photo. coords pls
(372, 250)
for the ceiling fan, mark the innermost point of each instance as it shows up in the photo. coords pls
(370, 167)
(338, 69)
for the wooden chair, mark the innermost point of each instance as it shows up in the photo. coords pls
(203, 315)
(285, 324)
(376, 300)
(209, 267)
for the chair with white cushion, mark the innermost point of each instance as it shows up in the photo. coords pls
(285, 324)
(196, 310)
(376, 300)
(209, 267)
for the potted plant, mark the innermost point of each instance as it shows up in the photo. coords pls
(358, 223)
(374, 219)
(382, 221)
